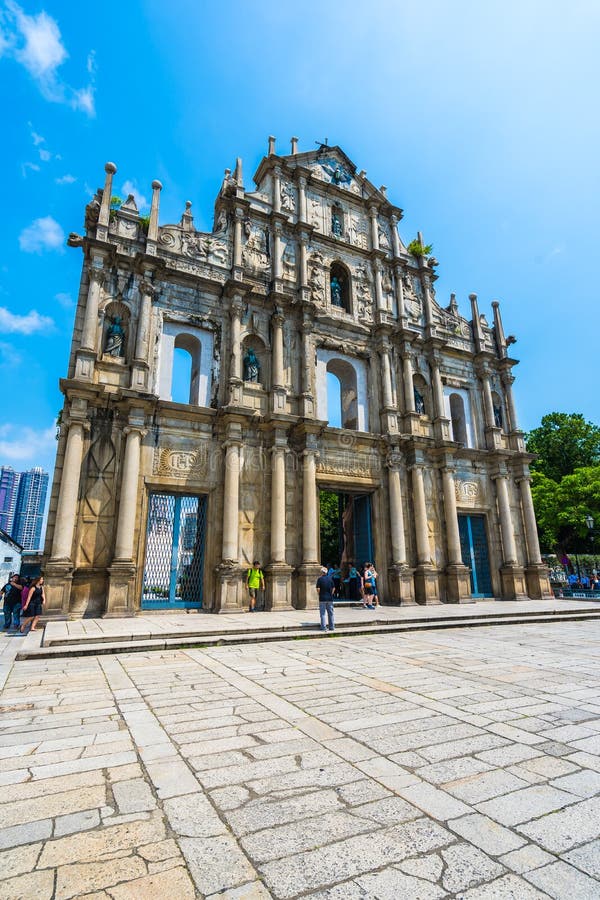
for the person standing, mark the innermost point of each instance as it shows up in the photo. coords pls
(12, 599)
(325, 590)
(35, 603)
(255, 579)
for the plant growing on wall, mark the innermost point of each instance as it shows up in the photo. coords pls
(416, 248)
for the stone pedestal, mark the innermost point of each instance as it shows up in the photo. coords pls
(121, 590)
(401, 584)
(537, 581)
(458, 585)
(58, 577)
(231, 594)
(427, 586)
(513, 583)
(306, 596)
(278, 584)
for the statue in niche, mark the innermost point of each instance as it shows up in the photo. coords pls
(336, 292)
(497, 416)
(115, 339)
(251, 367)
(419, 402)
(336, 224)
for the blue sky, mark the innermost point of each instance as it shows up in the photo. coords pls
(481, 119)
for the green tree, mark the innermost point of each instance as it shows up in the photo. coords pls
(546, 502)
(562, 443)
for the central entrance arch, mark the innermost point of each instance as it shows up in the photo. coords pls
(345, 526)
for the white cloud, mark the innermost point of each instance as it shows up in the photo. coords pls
(65, 179)
(13, 323)
(130, 187)
(36, 43)
(65, 300)
(22, 443)
(37, 138)
(42, 234)
(45, 155)
(29, 166)
(8, 355)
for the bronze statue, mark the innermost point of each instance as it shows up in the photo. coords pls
(251, 366)
(115, 339)
(336, 292)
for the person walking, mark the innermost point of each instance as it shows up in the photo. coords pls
(325, 590)
(255, 579)
(11, 592)
(33, 607)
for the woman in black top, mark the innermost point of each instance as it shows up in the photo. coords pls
(33, 607)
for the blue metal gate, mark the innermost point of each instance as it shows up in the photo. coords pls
(174, 562)
(475, 554)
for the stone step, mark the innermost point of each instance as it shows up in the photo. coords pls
(32, 649)
(293, 628)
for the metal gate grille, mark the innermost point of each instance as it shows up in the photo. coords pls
(475, 554)
(174, 561)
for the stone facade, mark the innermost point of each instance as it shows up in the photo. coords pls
(309, 272)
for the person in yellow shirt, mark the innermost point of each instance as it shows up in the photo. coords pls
(254, 580)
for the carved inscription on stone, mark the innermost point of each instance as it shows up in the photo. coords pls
(348, 463)
(468, 493)
(180, 463)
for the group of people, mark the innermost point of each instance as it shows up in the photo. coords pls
(358, 585)
(24, 600)
(583, 583)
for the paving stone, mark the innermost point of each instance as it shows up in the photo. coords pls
(433, 801)
(428, 867)
(392, 884)
(347, 890)
(564, 829)
(267, 813)
(484, 786)
(555, 748)
(584, 783)
(171, 779)
(529, 803)
(93, 844)
(486, 834)
(193, 816)
(172, 884)
(75, 879)
(159, 851)
(453, 769)
(124, 773)
(33, 886)
(328, 776)
(389, 811)
(362, 792)
(349, 749)
(586, 858)
(46, 786)
(525, 859)
(230, 797)
(216, 863)
(473, 745)
(133, 796)
(81, 821)
(561, 880)
(289, 839)
(18, 860)
(548, 766)
(509, 754)
(25, 834)
(45, 807)
(466, 866)
(508, 887)
(247, 772)
(254, 890)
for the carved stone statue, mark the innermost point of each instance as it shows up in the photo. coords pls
(115, 339)
(419, 402)
(336, 224)
(251, 366)
(288, 201)
(497, 416)
(336, 291)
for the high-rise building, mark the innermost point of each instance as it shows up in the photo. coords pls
(29, 510)
(9, 487)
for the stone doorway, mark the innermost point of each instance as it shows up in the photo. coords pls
(475, 553)
(174, 559)
(346, 535)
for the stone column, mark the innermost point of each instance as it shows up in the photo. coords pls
(278, 582)
(374, 228)
(235, 372)
(89, 337)
(426, 579)
(237, 238)
(231, 501)
(278, 379)
(302, 198)
(395, 238)
(399, 573)
(400, 294)
(308, 572)
(407, 378)
(458, 585)
(512, 575)
(441, 423)
(507, 380)
(493, 434)
(66, 510)
(389, 416)
(104, 214)
(276, 251)
(380, 305)
(123, 568)
(152, 239)
(302, 247)
(140, 370)
(536, 573)
(308, 365)
(277, 189)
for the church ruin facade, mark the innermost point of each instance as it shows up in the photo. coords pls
(226, 388)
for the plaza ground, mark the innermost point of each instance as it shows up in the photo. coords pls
(462, 762)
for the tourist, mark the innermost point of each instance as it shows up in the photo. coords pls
(336, 574)
(325, 588)
(33, 608)
(254, 580)
(355, 584)
(370, 582)
(11, 592)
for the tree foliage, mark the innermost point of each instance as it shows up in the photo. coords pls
(561, 508)
(563, 443)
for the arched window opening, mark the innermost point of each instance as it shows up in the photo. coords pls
(334, 400)
(185, 379)
(498, 412)
(459, 425)
(421, 395)
(339, 287)
(345, 374)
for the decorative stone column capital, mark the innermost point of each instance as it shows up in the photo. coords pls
(147, 289)
(96, 275)
(394, 460)
(136, 429)
(278, 318)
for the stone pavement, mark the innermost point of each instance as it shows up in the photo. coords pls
(458, 763)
